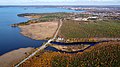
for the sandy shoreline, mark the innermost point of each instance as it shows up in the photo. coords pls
(32, 17)
(13, 57)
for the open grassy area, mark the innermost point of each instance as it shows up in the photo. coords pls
(90, 29)
(39, 31)
(102, 55)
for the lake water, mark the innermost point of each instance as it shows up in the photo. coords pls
(10, 38)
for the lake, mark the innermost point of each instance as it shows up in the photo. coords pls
(10, 38)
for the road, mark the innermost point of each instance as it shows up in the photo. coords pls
(43, 46)
(61, 22)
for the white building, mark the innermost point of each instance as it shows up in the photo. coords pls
(59, 39)
(81, 19)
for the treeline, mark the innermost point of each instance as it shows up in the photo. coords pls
(43, 14)
(25, 23)
(43, 17)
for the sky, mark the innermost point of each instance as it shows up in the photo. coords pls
(59, 2)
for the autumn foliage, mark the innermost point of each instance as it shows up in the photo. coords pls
(105, 54)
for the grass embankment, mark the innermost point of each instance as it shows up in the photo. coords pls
(70, 48)
(102, 55)
(90, 29)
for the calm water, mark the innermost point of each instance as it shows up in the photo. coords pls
(73, 43)
(10, 38)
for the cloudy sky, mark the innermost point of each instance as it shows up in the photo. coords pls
(59, 2)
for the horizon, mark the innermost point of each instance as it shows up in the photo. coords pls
(61, 5)
(60, 2)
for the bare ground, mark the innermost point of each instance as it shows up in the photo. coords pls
(32, 17)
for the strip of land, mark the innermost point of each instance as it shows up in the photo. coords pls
(70, 48)
(11, 58)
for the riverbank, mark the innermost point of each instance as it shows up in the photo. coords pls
(70, 48)
(11, 58)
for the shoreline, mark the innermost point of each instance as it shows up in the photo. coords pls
(15, 56)
(11, 58)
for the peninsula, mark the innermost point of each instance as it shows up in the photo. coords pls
(100, 32)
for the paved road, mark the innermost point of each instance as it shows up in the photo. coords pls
(43, 46)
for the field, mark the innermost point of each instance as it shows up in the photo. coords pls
(39, 31)
(102, 55)
(90, 29)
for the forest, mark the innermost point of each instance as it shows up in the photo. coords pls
(102, 55)
(90, 29)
